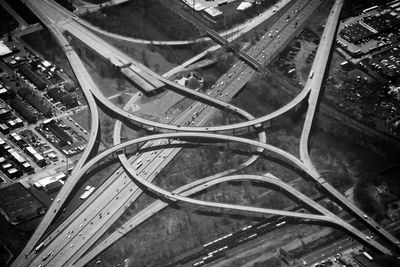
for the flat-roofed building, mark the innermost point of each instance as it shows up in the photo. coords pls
(244, 5)
(4, 129)
(27, 167)
(4, 113)
(13, 173)
(213, 13)
(35, 156)
(53, 187)
(16, 157)
(6, 166)
(4, 50)
(45, 181)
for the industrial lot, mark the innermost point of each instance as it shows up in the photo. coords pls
(200, 133)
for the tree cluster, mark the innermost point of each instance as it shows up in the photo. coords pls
(143, 19)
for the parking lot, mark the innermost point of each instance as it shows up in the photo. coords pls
(65, 134)
(387, 63)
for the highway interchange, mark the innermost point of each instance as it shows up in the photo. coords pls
(93, 218)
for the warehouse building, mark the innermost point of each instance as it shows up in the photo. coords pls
(49, 184)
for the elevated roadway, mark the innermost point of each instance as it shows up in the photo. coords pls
(80, 70)
(249, 211)
(203, 184)
(242, 55)
(239, 69)
(83, 215)
(314, 82)
(119, 59)
(189, 127)
(53, 236)
(116, 136)
(83, 7)
(86, 84)
(316, 77)
(323, 38)
(234, 32)
(57, 15)
(90, 239)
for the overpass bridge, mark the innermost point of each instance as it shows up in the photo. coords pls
(132, 73)
(62, 18)
(81, 71)
(314, 82)
(242, 210)
(324, 43)
(136, 69)
(56, 206)
(149, 86)
(120, 59)
(317, 178)
(255, 64)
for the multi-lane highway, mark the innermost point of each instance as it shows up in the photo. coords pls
(77, 66)
(86, 85)
(79, 70)
(264, 50)
(61, 251)
(62, 14)
(120, 191)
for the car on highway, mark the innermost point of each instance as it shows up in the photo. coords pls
(47, 256)
(139, 165)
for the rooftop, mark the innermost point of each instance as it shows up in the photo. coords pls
(200, 5)
(244, 5)
(4, 50)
